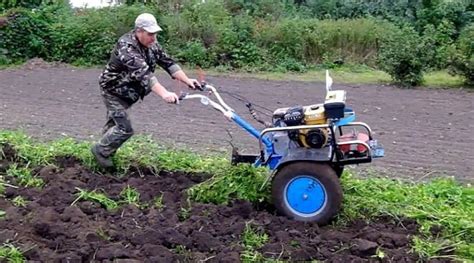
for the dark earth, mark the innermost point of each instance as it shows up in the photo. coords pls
(55, 227)
(426, 132)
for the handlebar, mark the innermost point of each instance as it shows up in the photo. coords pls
(228, 112)
(221, 106)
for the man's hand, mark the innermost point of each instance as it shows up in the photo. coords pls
(193, 84)
(170, 97)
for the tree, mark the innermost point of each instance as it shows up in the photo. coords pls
(8, 4)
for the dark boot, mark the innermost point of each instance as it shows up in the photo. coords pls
(102, 160)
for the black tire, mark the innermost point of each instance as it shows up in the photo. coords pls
(286, 191)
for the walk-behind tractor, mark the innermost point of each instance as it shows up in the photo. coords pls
(306, 148)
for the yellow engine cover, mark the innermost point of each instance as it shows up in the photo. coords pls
(313, 115)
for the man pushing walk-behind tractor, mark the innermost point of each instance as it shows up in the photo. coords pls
(306, 148)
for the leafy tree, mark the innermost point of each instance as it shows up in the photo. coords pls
(462, 60)
(9, 4)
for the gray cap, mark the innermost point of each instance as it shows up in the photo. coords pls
(148, 22)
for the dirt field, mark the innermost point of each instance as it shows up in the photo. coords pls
(426, 133)
(56, 227)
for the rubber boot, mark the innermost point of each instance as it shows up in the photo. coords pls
(102, 160)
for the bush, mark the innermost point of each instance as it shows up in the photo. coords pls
(289, 64)
(88, 36)
(269, 9)
(10, 4)
(437, 42)
(402, 56)
(204, 22)
(437, 12)
(462, 59)
(310, 41)
(237, 46)
(25, 35)
(195, 54)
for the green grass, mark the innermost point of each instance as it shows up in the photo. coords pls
(240, 182)
(158, 202)
(252, 240)
(441, 203)
(350, 74)
(96, 197)
(442, 79)
(2, 185)
(19, 201)
(11, 254)
(130, 196)
(345, 74)
(24, 177)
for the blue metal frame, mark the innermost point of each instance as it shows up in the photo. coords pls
(274, 159)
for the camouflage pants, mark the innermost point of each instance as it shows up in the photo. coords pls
(118, 128)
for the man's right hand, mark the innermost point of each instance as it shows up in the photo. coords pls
(170, 97)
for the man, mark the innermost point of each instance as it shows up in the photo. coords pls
(128, 77)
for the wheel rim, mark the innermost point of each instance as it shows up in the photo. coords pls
(305, 196)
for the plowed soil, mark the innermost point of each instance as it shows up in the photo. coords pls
(56, 227)
(426, 132)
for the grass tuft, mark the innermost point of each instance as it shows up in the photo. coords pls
(252, 240)
(10, 253)
(97, 197)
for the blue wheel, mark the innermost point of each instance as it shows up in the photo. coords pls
(307, 191)
(305, 196)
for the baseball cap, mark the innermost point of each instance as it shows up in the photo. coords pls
(148, 22)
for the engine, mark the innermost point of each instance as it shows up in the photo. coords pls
(304, 115)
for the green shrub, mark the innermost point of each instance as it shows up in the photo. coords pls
(10, 4)
(195, 54)
(285, 64)
(25, 35)
(283, 39)
(419, 13)
(402, 55)
(88, 36)
(437, 42)
(314, 41)
(237, 45)
(204, 22)
(85, 37)
(269, 9)
(462, 59)
(437, 12)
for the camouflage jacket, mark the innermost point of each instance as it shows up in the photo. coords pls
(129, 72)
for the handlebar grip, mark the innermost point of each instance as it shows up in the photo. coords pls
(196, 86)
(200, 86)
(182, 96)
